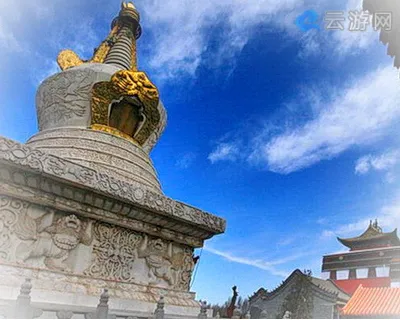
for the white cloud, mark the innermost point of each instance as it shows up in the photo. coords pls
(383, 162)
(286, 241)
(257, 263)
(363, 112)
(8, 42)
(16, 18)
(339, 42)
(181, 33)
(352, 42)
(33, 32)
(390, 214)
(49, 68)
(186, 160)
(270, 265)
(388, 218)
(224, 151)
(10, 17)
(310, 44)
(181, 29)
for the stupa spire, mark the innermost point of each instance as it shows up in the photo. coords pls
(123, 52)
(119, 48)
(127, 105)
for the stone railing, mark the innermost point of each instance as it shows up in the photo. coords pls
(23, 308)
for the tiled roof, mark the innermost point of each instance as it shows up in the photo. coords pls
(367, 302)
(371, 238)
(330, 286)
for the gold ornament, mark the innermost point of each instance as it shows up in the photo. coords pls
(113, 131)
(126, 83)
(112, 101)
(102, 51)
(128, 5)
(68, 59)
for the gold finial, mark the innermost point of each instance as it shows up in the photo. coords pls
(68, 59)
(128, 5)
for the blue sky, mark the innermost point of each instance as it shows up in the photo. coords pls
(290, 136)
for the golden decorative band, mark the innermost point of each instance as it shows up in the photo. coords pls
(113, 131)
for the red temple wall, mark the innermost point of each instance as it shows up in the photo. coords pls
(351, 285)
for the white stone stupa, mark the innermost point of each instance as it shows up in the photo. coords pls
(81, 207)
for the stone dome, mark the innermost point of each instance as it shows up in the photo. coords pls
(103, 113)
(65, 117)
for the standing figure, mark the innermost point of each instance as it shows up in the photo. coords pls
(50, 240)
(158, 258)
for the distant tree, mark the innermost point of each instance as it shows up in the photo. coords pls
(242, 304)
(298, 304)
(221, 309)
(245, 307)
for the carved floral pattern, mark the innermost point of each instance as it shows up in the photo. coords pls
(114, 253)
(115, 249)
(48, 164)
(50, 237)
(64, 97)
(9, 211)
(186, 270)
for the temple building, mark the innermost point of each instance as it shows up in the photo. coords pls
(81, 206)
(372, 295)
(371, 250)
(326, 298)
(350, 297)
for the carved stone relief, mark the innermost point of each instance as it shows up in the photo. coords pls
(64, 98)
(123, 216)
(36, 236)
(153, 138)
(9, 211)
(31, 158)
(47, 239)
(51, 239)
(124, 255)
(158, 257)
(114, 252)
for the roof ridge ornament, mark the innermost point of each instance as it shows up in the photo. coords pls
(372, 237)
(377, 227)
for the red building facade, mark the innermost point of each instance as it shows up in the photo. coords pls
(371, 250)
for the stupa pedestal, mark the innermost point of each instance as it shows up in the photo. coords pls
(81, 207)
